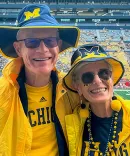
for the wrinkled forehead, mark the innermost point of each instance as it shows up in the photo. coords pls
(37, 33)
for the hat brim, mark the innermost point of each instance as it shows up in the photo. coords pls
(117, 70)
(69, 36)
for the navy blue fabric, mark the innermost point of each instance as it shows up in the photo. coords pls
(22, 91)
(42, 18)
(45, 18)
(100, 128)
(87, 49)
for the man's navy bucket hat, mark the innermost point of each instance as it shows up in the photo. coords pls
(36, 16)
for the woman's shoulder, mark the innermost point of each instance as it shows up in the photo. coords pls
(125, 103)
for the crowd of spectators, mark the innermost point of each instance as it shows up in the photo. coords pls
(123, 84)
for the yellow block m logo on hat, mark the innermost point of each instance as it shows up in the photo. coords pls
(34, 14)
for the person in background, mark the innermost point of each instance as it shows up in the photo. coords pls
(33, 100)
(100, 125)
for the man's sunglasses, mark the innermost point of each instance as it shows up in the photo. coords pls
(88, 77)
(49, 42)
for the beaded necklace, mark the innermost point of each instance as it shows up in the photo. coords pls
(110, 145)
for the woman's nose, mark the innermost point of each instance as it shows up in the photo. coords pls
(97, 79)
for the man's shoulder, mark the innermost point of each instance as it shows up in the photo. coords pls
(69, 97)
(60, 74)
(2, 80)
(61, 86)
(4, 84)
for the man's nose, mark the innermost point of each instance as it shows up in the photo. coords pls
(42, 47)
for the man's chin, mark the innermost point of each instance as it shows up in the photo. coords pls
(42, 71)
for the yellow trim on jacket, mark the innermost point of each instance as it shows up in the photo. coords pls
(15, 130)
(75, 128)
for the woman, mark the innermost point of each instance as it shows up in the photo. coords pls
(100, 125)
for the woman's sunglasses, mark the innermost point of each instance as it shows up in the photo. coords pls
(88, 77)
(49, 42)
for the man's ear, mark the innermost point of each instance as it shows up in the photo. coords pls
(59, 43)
(17, 48)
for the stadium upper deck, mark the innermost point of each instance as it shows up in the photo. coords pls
(69, 1)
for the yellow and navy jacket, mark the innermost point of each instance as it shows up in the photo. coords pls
(75, 128)
(15, 129)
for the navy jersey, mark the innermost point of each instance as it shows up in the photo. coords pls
(100, 128)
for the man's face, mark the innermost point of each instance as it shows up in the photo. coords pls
(41, 59)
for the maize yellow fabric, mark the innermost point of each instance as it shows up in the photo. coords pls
(15, 130)
(75, 128)
(44, 141)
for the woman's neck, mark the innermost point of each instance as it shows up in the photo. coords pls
(37, 80)
(102, 110)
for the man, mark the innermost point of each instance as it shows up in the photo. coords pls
(33, 101)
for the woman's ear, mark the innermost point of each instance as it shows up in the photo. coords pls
(75, 85)
(17, 48)
(79, 90)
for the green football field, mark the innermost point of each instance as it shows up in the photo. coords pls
(125, 93)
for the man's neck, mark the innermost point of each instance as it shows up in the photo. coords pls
(37, 80)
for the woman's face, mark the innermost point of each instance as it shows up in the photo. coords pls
(99, 90)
